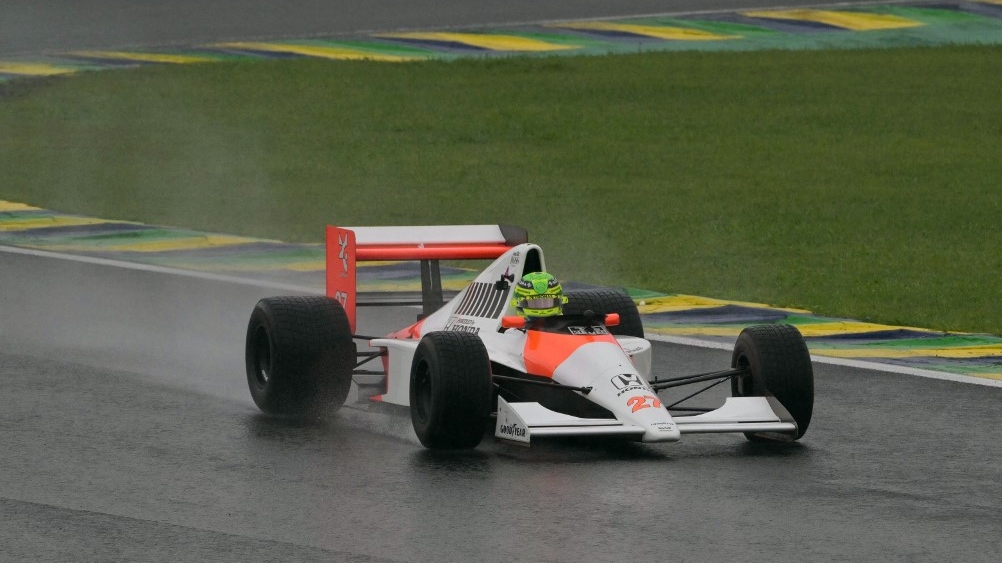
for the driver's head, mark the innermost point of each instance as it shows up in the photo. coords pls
(538, 295)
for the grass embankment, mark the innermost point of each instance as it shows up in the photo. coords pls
(855, 183)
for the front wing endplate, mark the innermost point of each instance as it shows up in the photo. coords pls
(520, 422)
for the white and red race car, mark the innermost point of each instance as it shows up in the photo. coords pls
(472, 360)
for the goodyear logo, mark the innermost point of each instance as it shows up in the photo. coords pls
(512, 430)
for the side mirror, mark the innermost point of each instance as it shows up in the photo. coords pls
(612, 319)
(514, 321)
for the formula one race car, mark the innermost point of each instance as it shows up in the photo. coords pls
(472, 360)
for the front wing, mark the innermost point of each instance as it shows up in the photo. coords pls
(521, 422)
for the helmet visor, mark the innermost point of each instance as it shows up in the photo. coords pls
(540, 302)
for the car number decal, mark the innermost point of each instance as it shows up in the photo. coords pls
(639, 402)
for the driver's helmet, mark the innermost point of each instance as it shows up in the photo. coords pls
(538, 295)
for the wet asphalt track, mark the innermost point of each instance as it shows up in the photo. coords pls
(127, 433)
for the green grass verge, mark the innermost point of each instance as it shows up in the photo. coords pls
(860, 183)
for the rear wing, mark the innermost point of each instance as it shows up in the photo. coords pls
(427, 244)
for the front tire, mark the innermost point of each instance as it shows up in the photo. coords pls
(299, 356)
(779, 366)
(450, 390)
(605, 301)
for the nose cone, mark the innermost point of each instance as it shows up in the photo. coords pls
(618, 386)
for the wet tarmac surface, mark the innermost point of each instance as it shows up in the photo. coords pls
(128, 433)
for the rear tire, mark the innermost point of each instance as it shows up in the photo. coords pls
(299, 356)
(780, 366)
(450, 390)
(605, 301)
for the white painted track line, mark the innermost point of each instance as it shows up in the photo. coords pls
(874, 366)
(694, 342)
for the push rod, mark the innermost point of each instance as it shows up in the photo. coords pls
(584, 390)
(659, 384)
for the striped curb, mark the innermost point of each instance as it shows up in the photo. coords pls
(861, 26)
(669, 316)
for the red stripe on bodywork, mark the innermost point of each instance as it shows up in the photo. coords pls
(544, 351)
(431, 252)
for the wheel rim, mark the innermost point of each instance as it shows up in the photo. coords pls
(744, 385)
(262, 357)
(422, 392)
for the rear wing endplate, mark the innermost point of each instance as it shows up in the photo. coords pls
(427, 244)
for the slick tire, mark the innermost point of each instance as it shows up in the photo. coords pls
(780, 367)
(299, 356)
(603, 302)
(450, 390)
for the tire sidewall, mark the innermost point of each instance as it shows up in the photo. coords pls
(450, 390)
(780, 368)
(425, 378)
(260, 333)
(310, 355)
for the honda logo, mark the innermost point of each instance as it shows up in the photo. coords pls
(624, 380)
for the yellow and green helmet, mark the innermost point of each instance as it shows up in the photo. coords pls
(538, 295)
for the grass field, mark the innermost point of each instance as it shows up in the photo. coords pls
(853, 183)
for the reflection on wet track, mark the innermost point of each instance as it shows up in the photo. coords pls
(152, 450)
(127, 433)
